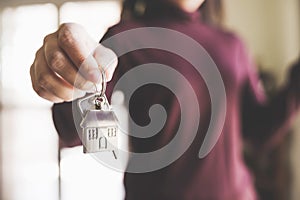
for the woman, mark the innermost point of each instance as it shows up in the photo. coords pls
(222, 175)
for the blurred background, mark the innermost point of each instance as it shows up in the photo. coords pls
(31, 164)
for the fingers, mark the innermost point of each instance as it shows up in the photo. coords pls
(46, 83)
(69, 58)
(59, 63)
(78, 45)
(41, 91)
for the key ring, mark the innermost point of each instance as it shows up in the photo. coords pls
(100, 99)
(103, 89)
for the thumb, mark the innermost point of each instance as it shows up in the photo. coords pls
(106, 59)
(102, 61)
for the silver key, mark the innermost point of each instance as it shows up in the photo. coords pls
(99, 124)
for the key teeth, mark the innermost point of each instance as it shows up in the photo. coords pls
(115, 154)
(84, 150)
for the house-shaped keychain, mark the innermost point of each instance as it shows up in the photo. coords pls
(100, 131)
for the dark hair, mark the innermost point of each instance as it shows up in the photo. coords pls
(212, 11)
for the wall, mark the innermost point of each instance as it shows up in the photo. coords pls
(271, 30)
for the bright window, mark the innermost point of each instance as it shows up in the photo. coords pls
(29, 160)
(96, 17)
(23, 29)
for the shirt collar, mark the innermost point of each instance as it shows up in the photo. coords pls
(166, 10)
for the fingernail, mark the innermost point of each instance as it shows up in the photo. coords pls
(90, 70)
(94, 75)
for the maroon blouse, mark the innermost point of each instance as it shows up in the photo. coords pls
(222, 175)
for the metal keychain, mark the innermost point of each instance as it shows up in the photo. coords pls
(99, 124)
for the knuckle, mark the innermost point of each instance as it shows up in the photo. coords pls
(46, 39)
(56, 61)
(65, 36)
(32, 75)
(44, 80)
(65, 26)
(31, 72)
(80, 59)
(34, 86)
(38, 53)
(41, 92)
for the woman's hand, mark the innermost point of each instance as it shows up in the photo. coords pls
(61, 64)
